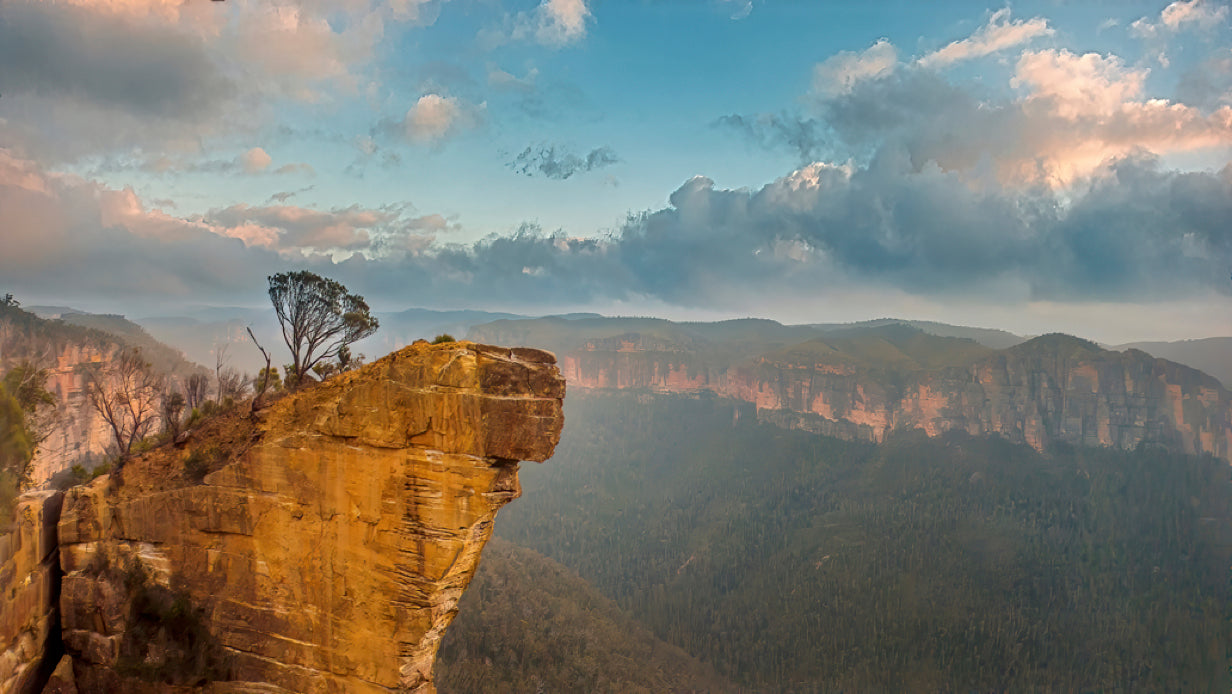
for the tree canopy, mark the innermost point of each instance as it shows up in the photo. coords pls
(318, 317)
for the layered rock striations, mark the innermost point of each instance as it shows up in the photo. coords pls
(29, 583)
(1054, 388)
(318, 545)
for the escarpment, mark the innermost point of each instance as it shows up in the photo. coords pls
(319, 545)
(1051, 389)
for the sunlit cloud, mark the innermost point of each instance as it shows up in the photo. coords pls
(997, 35)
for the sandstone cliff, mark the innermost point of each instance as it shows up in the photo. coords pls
(320, 545)
(29, 582)
(1051, 389)
(64, 348)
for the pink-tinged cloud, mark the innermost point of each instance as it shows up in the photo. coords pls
(997, 35)
(1078, 86)
(255, 160)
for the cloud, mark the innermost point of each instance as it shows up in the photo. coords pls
(562, 22)
(252, 162)
(1132, 231)
(83, 78)
(739, 8)
(1079, 85)
(554, 23)
(1180, 15)
(58, 50)
(1070, 114)
(501, 79)
(998, 34)
(807, 137)
(255, 160)
(839, 73)
(557, 162)
(283, 196)
(435, 117)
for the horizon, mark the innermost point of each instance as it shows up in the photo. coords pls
(1034, 168)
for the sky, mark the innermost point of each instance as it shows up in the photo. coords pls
(1034, 166)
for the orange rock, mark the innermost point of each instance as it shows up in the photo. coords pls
(328, 554)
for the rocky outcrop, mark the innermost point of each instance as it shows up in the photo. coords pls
(318, 545)
(1051, 389)
(29, 583)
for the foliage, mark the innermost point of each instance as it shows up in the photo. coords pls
(166, 639)
(10, 489)
(528, 624)
(318, 317)
(799, 563)
(81, 475)
(270, 377)
(24, 382)
(344, 363)
(442, 339)
(16, 443)
(202, 461)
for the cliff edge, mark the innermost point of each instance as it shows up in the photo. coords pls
(318, 545)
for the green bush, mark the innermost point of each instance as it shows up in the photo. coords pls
(443, 338)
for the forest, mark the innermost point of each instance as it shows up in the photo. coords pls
(792, 562)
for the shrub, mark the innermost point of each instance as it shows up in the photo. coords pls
(442, 339)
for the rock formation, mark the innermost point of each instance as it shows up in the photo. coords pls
(1051, 389)
(317, 546)
(29, 582)
(75, 432)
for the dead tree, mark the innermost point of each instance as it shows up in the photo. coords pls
(127, 394)
(195, 390)
(265, 373)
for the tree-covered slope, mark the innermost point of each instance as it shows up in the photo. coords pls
(528, 624)
(799, 563)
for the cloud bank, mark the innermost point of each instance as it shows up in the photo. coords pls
(1131, 231)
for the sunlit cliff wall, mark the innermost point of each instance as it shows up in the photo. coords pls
(1048, 390)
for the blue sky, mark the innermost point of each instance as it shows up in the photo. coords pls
(1034, 166)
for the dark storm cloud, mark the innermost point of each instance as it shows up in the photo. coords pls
(807, 137)
(557, 162)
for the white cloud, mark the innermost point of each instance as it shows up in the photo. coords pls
(998, 34)
(841, 71)
(1201, 14)
(432, 117)
(562, 22)
(554, 23)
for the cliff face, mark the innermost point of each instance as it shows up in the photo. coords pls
(29, 582)
(318, 546)
(74, 429)
(1051, 389)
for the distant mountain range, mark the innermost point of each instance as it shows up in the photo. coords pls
(863, 381)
